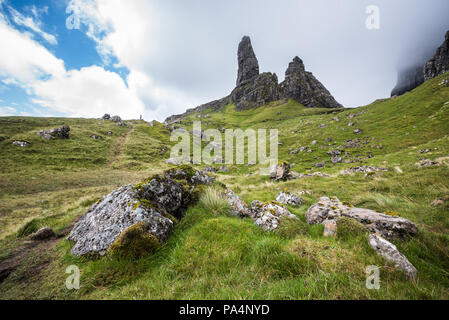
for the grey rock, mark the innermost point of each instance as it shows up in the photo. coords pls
(106, 117)
(116, 119)
(43, 234)
(238, 206)
(364, 169)
(280, 172)
(56, 133)
(391, 253)
(305, 88)
(21, 144)
(95, 137)
(439, 63)
(224, 169)
(104, 222)
(289, 198)
(358, 131)
(247, 62)
(388, 226)
(200, 177)
(267, 216)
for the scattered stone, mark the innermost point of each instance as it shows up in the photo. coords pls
(116, 119)
(280, 172)
(289, 198)
(391, 253)
(427, 163)
(351, 124)
(424, 151)
(364, 169)
(209, 169)
(388, 226)
(268, 215)
(224, 169)
(43, 234)
(238, 206)
(95, 137)
(322, 126)
(440, 201)
(21, 144)
(358, 131)
(110, 133)
(314, 142)
(121, 124)
(56, 133)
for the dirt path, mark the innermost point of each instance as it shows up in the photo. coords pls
(119, 147)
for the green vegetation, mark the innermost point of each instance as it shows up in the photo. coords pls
(349, 228)
(212, 254)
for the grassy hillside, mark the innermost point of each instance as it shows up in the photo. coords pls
(212, 255)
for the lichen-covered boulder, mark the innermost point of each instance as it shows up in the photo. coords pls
(116, 119)
(238, 206)
(289, 198)
(56, 133)
(106, 117)
(391, 253)
(388, 226)
(267, 215)
(158, 202)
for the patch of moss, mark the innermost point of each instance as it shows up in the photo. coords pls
(392, 213)
(290, 228)
(345, 203)
(134, 242)
(187, 172)
(350, 228)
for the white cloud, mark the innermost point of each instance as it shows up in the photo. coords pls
(7, 111)
(24, 59)
(33, 24)
(89, 92)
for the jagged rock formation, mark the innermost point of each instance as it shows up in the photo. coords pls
(257, 92)
(303, 87)
(254, 90)
(439, 64)
(248, 64)
(408, 79)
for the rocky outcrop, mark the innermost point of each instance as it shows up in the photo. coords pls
(388, 226)
(280, 172)
(247, 61)
(157, 202)
(238, 206)
(261, 90)
(56, 133)
(439, 63)
(254, 90)
(391, 253)
(408, 79)
(303, 87)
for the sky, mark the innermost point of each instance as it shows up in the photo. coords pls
(155, 58)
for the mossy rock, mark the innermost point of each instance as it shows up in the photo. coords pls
(350, 228)
(289, 228)
(134, 242)
(188, 171)
(392, 213)
(30, 228)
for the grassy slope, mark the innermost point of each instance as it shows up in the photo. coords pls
(212, 255)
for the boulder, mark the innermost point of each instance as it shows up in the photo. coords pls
(267, 215)
(289, 198)
(21, 144)
(95, 137)
(106, 116)
(116, 119)
(157, 202)
(238, 206)
(280, 172)
(391, 253)
(56, 133)
(43, 234)
(388, 226)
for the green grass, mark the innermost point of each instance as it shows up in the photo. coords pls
(213, 255)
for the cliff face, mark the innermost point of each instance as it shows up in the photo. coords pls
(408, 80)
(303, 87)
(248, 64)
(439, 64)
